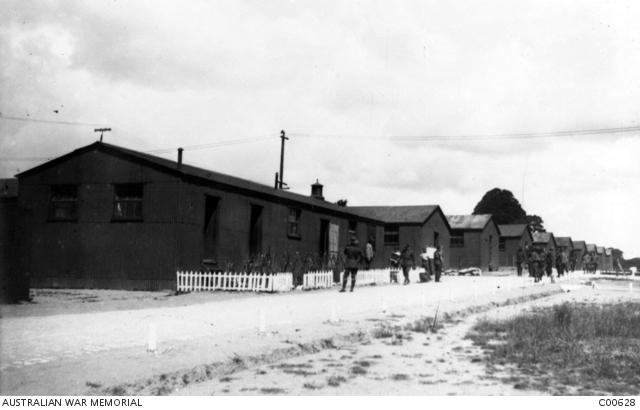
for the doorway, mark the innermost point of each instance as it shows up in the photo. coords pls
(210, 227)
(255, 230)
(323, 250)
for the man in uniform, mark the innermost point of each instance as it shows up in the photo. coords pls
(353, 257)
(406, 262)
(437, 263)
(559, 266)
(519, 260)
(549, 262)
(426, 264)
(586, 262)
(368, 255)
(534, 263)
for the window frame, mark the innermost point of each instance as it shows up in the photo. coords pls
(456, 239)
(391, 231)
(55, 202)
(293, 221)
(115, 217)
(502, 244)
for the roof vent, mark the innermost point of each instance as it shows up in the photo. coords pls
(180, 158)
(316, 191)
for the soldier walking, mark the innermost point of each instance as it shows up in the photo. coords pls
(353, 257)
(549, 262)
(437, 263)
(406, 262)
(519, 260)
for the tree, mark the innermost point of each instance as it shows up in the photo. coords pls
(535, 223)
(504, 207)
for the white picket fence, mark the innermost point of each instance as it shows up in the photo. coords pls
(371, 276)
(317, 280)
(197, 281)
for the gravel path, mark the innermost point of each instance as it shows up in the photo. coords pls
(71, 353)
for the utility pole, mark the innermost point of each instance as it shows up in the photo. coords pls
(101, 131)
(283, 137)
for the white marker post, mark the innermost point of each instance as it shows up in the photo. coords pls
(334, 313)
(152, 344)
(262, 325)
(630, 286)
(475, 290)
(383, 304)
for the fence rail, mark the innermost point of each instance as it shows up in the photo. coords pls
(317, 280)
(197, 281)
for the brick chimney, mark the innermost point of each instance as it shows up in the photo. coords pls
(316, 191)
(180, 158)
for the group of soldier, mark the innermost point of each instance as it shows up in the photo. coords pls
(540, 261)
(354, 257)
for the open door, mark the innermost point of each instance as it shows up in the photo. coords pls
(210, 227)
(255, 230)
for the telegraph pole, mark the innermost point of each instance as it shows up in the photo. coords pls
(101, 131)
(283, 137)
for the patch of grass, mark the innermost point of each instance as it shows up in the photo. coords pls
(400, 377)
(272, 390)
(358, 370)
(578, 344)
(312, 386)
(93, 385)
(383, 332)
(226, 379)
(363, 363)
(424, 325)
(335, 381)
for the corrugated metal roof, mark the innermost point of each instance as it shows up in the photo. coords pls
(542, 237)
(216, 177)
(512, 230)
(591, 247)
(469, 222)
(564, 241)
(8, 187)
(396, 214)
(580, 245)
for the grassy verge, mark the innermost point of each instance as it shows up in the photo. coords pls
(568, 349)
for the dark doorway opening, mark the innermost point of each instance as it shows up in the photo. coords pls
(436, 239)
(255, 230)
(324, 238)
(210, 226)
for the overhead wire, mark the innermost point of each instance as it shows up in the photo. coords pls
(28, 119)
(472, 137)
(398, 138)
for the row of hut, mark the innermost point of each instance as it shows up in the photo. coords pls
(104, 216)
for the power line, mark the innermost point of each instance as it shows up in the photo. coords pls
(25, 119)
(217, 144)
(472, 137)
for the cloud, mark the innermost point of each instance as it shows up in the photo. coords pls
(167, 74)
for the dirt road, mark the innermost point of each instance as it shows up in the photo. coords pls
(85, 353)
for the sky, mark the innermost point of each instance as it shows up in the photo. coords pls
(351, 83)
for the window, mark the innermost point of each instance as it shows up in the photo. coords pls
(457, 239)
(293, 223)
(353, 227)
(391, 234)
(502, 244)
(64, 203)
(127, 203)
